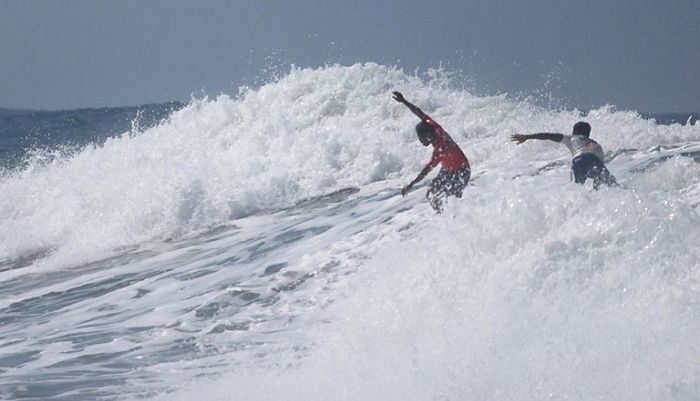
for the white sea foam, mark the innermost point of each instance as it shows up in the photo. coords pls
(529, 292)
(530, 287)
(311, 132)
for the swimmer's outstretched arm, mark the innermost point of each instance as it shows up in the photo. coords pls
(418, 112)
(520, 138)
(420, 176)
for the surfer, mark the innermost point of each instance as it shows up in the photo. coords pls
(455, 172)
(588, 154)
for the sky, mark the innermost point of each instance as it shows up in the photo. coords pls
(641, 55)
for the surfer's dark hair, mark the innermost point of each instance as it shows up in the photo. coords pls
(582, 128)
(425, 130)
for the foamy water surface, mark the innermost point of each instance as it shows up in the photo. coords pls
(257, 248)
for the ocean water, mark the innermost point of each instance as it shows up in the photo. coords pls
(26, 133)
(257, 247)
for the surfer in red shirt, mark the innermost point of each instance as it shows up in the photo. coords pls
(455, 172)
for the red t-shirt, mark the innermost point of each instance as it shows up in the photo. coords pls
(445, 150)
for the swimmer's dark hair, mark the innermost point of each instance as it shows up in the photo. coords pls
(582, 128)
(425, 130)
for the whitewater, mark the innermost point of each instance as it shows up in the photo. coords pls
(257, 247)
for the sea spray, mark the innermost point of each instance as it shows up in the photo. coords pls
(231, 278)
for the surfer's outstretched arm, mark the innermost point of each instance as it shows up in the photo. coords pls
(399, 98)
(520, 138)
(420, 176)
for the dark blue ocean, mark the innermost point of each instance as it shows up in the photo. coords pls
(258, 247)
(25, 131)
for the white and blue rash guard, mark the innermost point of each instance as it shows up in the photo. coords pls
(580, 145)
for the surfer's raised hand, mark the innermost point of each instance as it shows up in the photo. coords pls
(398, 96)
(405, 189)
